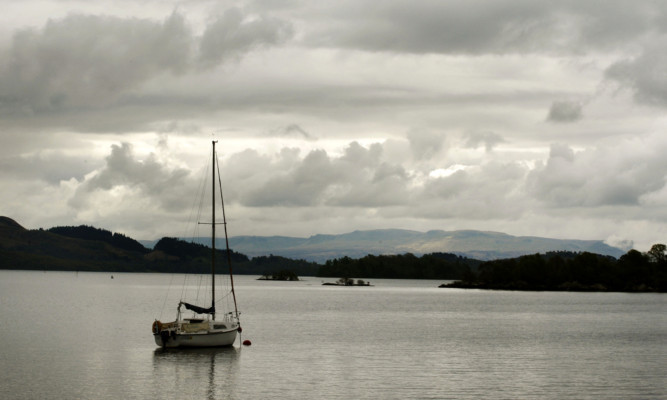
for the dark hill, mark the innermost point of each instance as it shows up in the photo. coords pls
(10, 223)
(90, 233)
(21, 248)
(85, 248)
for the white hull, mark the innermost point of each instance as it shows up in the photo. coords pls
(200, 339)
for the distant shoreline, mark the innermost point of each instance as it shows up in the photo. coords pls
(565, 287)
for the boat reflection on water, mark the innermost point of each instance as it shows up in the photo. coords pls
(200, 372)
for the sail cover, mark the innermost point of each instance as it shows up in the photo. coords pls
(199, 310)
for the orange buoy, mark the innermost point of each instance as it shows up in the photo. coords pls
(247, 342)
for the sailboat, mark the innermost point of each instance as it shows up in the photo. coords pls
(206, 327)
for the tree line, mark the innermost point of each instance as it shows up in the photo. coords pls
(401, 266)
(634, 271)
(186, 257)
(94, 249)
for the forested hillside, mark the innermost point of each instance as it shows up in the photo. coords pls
(90, 233)
(632, 272)
(85, 248)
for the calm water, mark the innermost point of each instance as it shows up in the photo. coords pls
(70, 336)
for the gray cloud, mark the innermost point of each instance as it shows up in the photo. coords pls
(363, 177)
(49, 167)
(477, 26)
(564, 111)
(606, 176)
(294, 130)
(425, 144)
(449, 186)
(645, 74)
(368, 181)
(358, 178)
(493, 190)
(87, 61)
(231, 35)
(301, 186)
(487, 139)
(154, 180)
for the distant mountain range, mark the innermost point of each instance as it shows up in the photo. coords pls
(80, 247)
(390, 254)
(480, 245)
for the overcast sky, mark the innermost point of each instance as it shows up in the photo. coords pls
(527, 117)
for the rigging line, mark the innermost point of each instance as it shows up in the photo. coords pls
(198, 286)
(224, 224)
(186, 233)
(194, 232)
(164, 304)
(200, 189)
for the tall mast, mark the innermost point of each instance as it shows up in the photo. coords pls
(213, 231)
(224, 223)
(229, 252)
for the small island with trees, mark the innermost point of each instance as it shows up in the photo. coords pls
(282, 275)
(348, 282)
